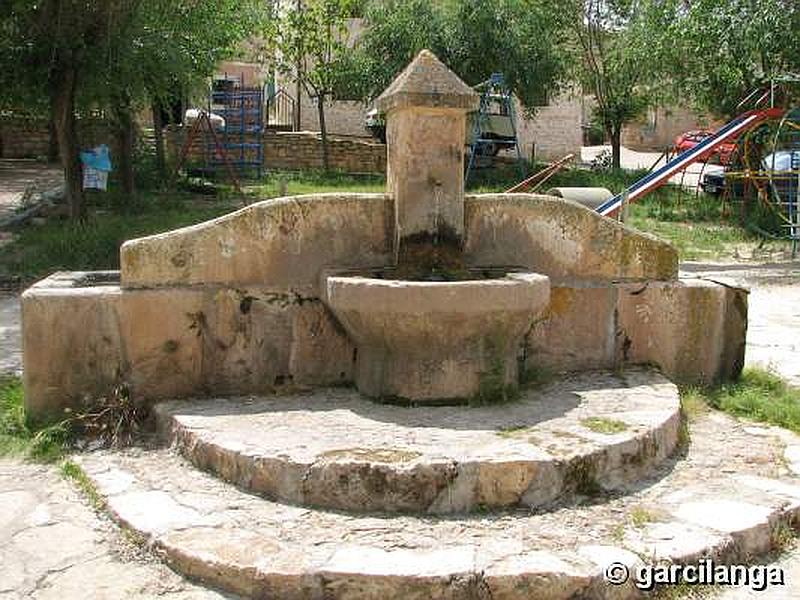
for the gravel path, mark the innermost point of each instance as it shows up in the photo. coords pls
(16, 176)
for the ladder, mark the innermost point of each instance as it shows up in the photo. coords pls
(494, 93)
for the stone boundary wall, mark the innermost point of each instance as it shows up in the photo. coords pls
(26, 137)
(295, 151)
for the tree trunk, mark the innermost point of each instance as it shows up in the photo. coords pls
(158, 137)
(616, 146)
(323, 131)
(62, 108)
(123, 129)
(52, 142)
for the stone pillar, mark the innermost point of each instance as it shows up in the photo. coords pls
(426, 108)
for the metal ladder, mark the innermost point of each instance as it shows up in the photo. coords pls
(493, 90)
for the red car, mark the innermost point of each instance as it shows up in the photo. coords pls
(688, 140)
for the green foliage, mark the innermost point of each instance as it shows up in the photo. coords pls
(718, 51)
(612, 60)
(17, 437)
(310, 43)
(137, 47)
(759, 395)
(520, 38)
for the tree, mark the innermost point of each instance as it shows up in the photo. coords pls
(611, 61)
(168, 47)
(109, 55)
(523, 39)
(310, 44)
(715, 52)
(49, 47)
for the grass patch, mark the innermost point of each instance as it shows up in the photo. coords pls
(60, 244)
(17, 438)
(760, 395)
(693, 402)
(313, 182)
(604, 425)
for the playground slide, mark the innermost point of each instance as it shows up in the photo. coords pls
(660, 176)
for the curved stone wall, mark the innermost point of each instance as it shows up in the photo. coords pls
(561, 239)
(284, 242)
(287, 242)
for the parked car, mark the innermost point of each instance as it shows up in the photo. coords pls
(782, 165)
(689, 139)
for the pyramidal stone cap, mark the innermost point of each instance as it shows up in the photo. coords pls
(427, 82)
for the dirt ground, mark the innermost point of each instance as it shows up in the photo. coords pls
(16, 176)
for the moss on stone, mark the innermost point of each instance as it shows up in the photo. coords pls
(604, 425)
(383, 455)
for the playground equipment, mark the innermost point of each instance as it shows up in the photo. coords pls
(243, 136)
(535, 181)
(494, 125)
(768, 171)
(203, 128)
(660, 176)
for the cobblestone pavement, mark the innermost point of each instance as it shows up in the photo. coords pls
(52, 545)
(18, 175)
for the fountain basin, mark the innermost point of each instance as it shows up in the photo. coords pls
(437, 342)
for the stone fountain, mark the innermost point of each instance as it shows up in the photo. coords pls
(422, 294)
(247, 333)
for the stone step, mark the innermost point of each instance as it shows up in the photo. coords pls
(336, 449)
(728, 497)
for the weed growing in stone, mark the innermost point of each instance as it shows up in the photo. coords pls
(112, 420)
(641, 516)
(534, 377)
(693, 402)
(512, 431)
(604, 425)
(783, 537)
(72, 471)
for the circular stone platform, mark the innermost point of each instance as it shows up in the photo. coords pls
(335, 449)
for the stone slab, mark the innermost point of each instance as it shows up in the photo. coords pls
(266, 549)
(335, 449)
(54, 546)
